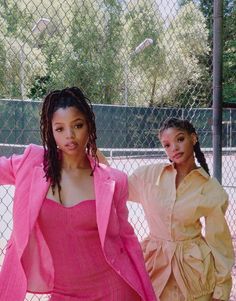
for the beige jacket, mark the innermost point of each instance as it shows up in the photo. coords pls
(201, 265)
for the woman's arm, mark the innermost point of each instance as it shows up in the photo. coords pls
(135, 181)
(126, 230)
(131, 243)
(136, 188)
(8, 168)
(219, 239)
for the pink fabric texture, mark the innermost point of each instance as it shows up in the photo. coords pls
(28, 264)
(80, 267)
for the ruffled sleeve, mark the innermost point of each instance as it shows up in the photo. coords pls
(218, 238)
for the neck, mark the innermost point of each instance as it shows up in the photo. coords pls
(75, 162)
(183, 170)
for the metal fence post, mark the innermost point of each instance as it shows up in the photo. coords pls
(217, 89)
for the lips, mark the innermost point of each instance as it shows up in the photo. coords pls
(177, 156)
(71, 145)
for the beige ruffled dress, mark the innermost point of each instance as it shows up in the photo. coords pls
(176, 248)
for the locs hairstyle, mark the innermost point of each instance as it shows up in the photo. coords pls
(68, 97)
(184, 124)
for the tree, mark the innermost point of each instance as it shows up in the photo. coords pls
(2, 54)
(113, 38)
(229, 52)
(85, 51)
(144, 21)
(22, 61)
(185, 42)
(229, 38)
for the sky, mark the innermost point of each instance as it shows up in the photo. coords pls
(168, 8)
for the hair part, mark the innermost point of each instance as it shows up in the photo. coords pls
(184, 124)
(68, 97)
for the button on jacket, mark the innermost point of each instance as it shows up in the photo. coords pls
(28, 264)
(200, 265)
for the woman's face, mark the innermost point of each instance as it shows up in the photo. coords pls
(70, 130)
(178, 145)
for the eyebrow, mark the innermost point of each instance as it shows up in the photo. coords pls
(176, 136)
(75, 120)
(181, 133)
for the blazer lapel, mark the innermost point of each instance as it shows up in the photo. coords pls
(104, 190)
(38, 191)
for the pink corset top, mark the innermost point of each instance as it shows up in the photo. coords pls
(72, 236)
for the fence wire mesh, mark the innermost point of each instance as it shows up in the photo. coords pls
(139, 61)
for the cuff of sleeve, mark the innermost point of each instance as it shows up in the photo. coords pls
(221, 293)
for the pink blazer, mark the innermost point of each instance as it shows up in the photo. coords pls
(28, 266)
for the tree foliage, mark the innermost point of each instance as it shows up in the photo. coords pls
(92, 44)
(144, 21)
(229, 52)
(183, 43)
(229, 38)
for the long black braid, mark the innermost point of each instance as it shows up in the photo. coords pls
(68, 97)
(184, 124)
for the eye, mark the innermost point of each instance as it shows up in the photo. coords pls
(79, 125)
(180, 139)
(59, 129)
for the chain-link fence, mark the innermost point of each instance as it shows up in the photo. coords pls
(146, 59)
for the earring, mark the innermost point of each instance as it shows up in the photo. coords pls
(195, 140)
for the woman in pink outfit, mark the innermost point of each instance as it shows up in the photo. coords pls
(71, 237)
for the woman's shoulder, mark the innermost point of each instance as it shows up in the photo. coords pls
(213, 185)
(214, 191)
(34, 153)
(34, 149)
(150, 170)
(112, 172)
(32, 156)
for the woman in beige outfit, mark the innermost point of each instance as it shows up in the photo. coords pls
(182, 263)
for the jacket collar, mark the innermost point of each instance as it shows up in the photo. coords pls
(38, 191)
(171, 167)
(104, 186)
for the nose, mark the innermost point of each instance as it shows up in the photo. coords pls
(175, 146)
(70, 133)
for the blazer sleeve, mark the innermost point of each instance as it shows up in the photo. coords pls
(219, 239)
(126, 230)
(10, 166)
(132, 245)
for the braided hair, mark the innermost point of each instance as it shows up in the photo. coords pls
(68, 97)
(184, 124)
